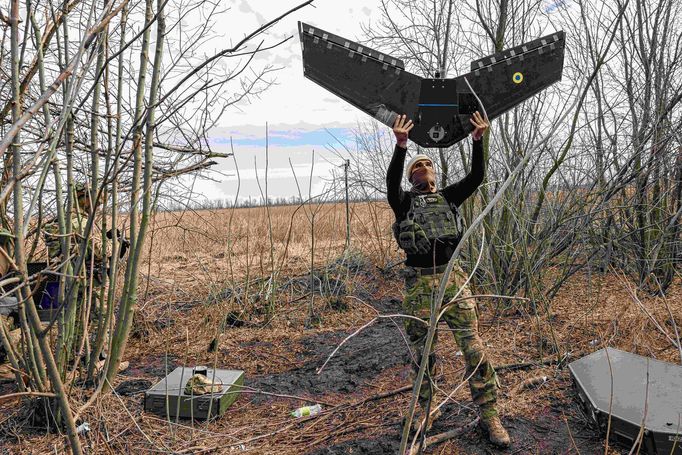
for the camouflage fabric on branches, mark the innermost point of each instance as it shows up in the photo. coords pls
(199, 384)
(5, 237)
(78, 223)
(6, 247)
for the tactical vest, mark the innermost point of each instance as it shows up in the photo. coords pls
(430, 218)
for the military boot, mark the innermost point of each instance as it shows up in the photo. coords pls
(492, 426)
(418, 418)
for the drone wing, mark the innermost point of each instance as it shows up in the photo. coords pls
(373, 82)
(510, 77)
(501, 81)
(379, 85)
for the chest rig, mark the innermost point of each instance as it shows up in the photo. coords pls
(430, 218)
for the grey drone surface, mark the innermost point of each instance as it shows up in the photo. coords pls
(378, 84)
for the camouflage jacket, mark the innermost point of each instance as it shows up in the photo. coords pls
(6, 251)
(78, 224)
(4, 261)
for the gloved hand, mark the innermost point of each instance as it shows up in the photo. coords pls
(125, 243)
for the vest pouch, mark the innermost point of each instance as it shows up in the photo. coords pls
(412, 239)
(430, 222)
(440, 224)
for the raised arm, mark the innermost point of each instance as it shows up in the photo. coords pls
(394, 175)
(460, 191)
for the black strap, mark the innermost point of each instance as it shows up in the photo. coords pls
(422, 271)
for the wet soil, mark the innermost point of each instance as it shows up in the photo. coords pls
(362, 360)
(133, 387)
(358, 361)
(152, 365)
(547, 433)
(362, 447)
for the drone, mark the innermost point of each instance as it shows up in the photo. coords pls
(440, 108)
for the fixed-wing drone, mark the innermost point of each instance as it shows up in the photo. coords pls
(378, 84)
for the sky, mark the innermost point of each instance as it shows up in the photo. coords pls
(300, 114)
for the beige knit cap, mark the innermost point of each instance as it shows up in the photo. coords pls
(413, 161)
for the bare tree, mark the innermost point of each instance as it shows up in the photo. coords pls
(78, 108)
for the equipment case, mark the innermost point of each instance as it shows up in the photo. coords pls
(168, 398)
(639, 383)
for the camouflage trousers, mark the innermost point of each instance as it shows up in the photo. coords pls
(462, 320)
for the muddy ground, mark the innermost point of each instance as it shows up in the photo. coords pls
(557, 428)
(355, 365)
(358, 388)
(370, 363)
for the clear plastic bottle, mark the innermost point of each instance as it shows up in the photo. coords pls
(306, 411)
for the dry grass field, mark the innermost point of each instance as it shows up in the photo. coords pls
(238, 242)
(206, 299)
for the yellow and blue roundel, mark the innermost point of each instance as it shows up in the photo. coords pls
(517, 77)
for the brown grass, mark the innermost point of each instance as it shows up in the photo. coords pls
(197, 255)
(207, 240)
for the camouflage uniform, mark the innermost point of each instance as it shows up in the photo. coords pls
(79, 220)
(6, 251)
(53, 240)
(462, 319)
(78, 223)
(8, 305)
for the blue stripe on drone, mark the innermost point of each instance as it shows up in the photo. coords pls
(437, 105)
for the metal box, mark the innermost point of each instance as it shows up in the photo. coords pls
(168, 398)
(643, 389)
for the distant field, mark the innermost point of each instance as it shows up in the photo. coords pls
(238, 241)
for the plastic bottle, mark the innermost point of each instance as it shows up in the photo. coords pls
(306, 411)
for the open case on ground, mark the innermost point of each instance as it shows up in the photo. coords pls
(168, 398)
(645, 392)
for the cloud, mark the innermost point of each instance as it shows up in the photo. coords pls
(285, 173)
(286, 137)
(295, 98)
(552, 6)
(245, 8)
(258, 130)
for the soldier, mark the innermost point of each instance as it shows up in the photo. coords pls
(428, 228)
(6, 246)
(8, 304)
(79, 219)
